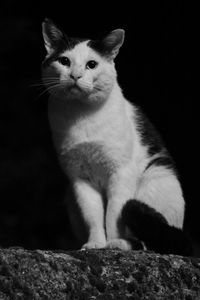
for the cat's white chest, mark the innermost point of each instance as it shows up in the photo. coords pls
(89, 161)
(92, 147)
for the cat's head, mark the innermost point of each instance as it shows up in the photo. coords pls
(80, 69)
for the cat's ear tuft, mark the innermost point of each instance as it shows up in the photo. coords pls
(113, 41)
(52, 35)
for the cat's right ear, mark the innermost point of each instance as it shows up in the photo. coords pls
(52, 35)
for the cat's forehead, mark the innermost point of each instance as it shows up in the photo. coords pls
(81, 51)
(78, 51)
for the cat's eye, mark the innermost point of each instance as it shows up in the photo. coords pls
(91, 64)
(64, 60)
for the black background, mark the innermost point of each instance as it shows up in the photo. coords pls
(156, 67)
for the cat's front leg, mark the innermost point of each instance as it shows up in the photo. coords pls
(91, 206)
(122, 187)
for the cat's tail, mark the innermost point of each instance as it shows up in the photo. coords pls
(150, 227)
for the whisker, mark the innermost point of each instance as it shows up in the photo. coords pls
(52, 88)
(45, 80)
(43, 84)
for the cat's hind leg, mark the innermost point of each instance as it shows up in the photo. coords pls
(156, 216)
(152, 228)
(160, 189)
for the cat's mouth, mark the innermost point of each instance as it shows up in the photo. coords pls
(77, 88)
(74, 89)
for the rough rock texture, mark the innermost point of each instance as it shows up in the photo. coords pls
(97, 274)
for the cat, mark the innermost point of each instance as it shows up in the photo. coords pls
(126, 187)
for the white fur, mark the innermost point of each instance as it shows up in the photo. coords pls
(100, 149)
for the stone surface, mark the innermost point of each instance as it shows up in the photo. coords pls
(97, 274)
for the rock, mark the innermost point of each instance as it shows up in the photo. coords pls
(97, 274)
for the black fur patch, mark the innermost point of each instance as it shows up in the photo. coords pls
(72, 42)
(152, 228)
(152, 139)
(136, 244)
(65, 44)
(149, 135)
(166, 161)
(99, 47)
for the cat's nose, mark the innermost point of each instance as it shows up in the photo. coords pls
(75, 76)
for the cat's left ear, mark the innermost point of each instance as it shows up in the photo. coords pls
(113, 41)
(52, 35)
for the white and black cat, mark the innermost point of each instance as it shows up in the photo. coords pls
(127, 193)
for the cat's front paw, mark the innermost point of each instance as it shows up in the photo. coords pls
(119, 244)
(93, 245)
